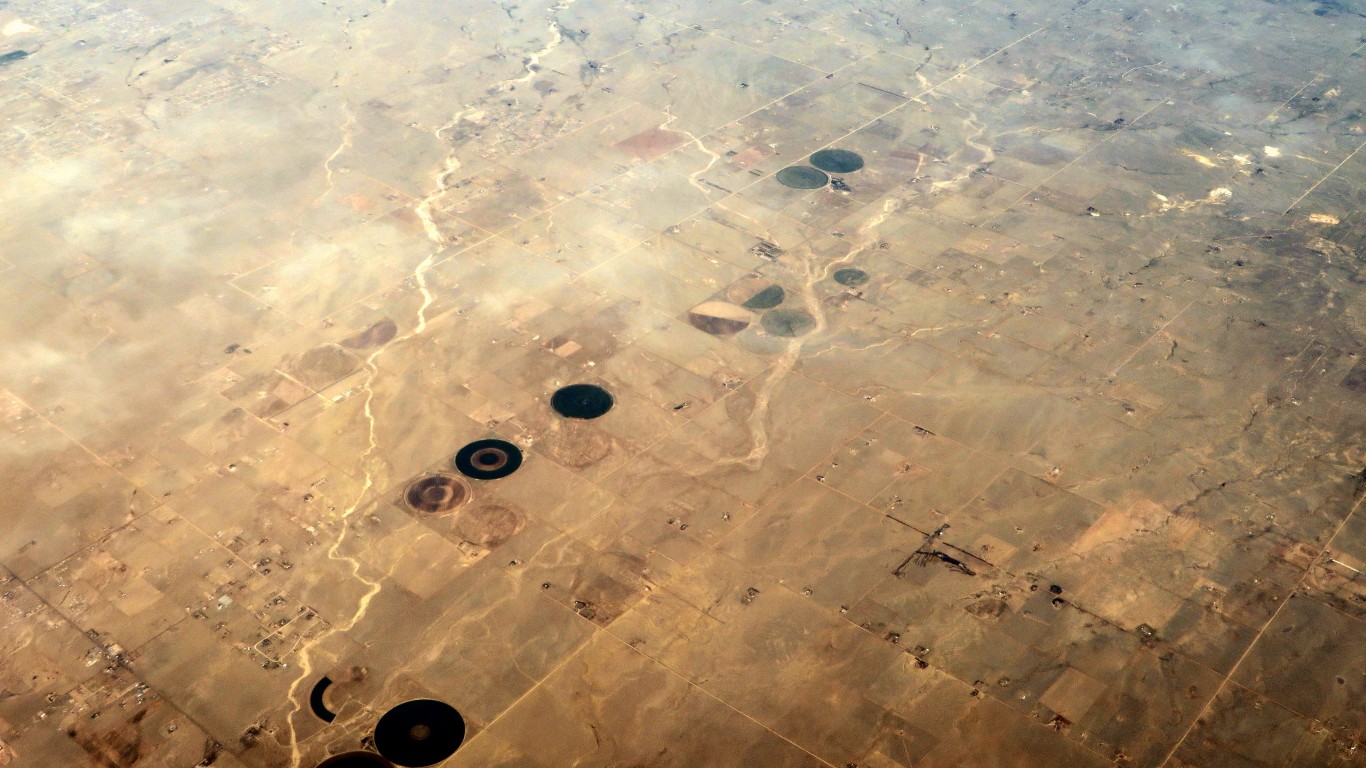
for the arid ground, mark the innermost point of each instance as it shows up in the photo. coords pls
(955, 384)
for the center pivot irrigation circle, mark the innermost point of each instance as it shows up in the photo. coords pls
(837, 161)
(851, 277)
(419, 732)
(488, 459)
(581, 401)
(802, 177)
(788, 322)
(440, 492)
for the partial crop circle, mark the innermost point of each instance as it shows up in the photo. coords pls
(719, 318)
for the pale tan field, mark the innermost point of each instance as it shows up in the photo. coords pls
(1037, 440)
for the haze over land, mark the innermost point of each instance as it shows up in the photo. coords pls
(755, 384)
